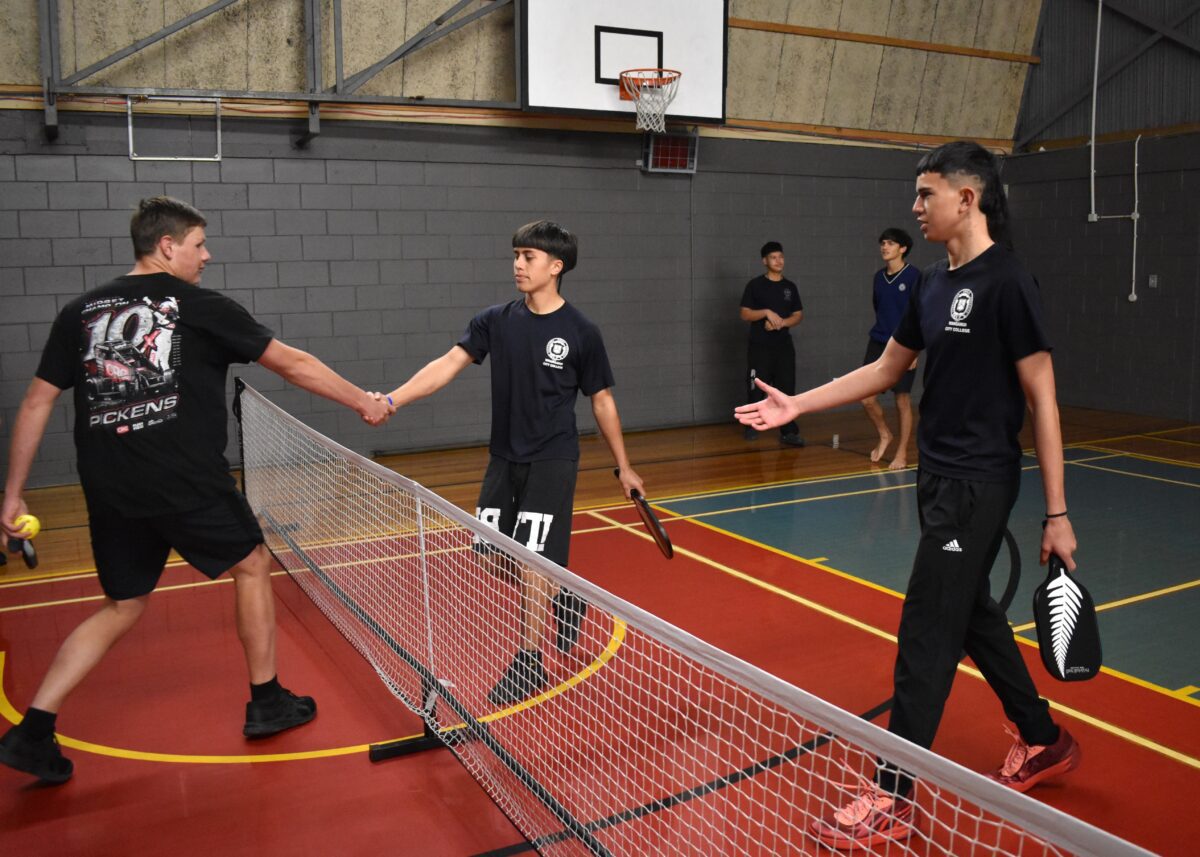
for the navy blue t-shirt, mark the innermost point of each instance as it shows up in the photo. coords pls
(540, 363)
(974, 323)
(781, 297)
(147, 357)
(889, 296)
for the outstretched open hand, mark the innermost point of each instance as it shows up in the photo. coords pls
(773, 411)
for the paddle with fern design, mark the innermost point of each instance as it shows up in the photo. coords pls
(1067, 630)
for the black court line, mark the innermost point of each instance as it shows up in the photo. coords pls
(478, 731)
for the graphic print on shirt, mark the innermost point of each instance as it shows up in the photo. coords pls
(556, 352)
(130, 363)
(960, 308)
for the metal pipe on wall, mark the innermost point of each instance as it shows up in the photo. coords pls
(1093, 215)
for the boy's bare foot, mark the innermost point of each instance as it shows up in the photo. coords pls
(898, 463)
(877, 452)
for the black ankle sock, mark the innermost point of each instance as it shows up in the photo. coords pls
(266, 690)
(38, 724)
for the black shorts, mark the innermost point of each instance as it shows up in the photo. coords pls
(874, 352)
(531, 502)
(131, 552)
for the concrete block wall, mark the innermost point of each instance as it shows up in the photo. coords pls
(375, 246)
(1141, 357)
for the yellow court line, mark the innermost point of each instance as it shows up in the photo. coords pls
(1133, 436)
(1171, 430)
(1103, 725)
(1134, 475)
(782, 483)
(1105, 457)
(1187, 691)
(1133, 599)
(86, 598)
(762, 584)
(816, 562)
(1158, 459)
(61, 576)
(1173, 440)
(33, 580)
(10, 713)
(819, 562)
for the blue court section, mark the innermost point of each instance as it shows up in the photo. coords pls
(1137, 521)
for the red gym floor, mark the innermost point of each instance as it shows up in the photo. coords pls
(161, 764)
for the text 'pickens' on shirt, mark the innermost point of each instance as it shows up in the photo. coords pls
(147, 357)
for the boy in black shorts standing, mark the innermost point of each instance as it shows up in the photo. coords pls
(544, 353)
(977, 316)
(771, 304)
(889, 295)
(147, 355)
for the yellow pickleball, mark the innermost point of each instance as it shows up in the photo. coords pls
(30, 526)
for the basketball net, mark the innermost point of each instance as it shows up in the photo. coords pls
(651, 90)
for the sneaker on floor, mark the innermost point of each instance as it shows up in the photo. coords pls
(569, 610)
(41, 758)
(791, 440)
(272, 716)
(873, 818)
(1026, 765)
(525, 677)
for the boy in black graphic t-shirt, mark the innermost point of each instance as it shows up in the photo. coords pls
(147, 355)
(771, 303)
(544, 353)
(978, 318)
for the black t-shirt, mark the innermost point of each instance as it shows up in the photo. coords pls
(148, 357)
(974, 323)
(781, 297)
(539, 365)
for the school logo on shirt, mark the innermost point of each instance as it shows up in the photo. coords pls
(787, 294)
(556, 352)
(960, 308)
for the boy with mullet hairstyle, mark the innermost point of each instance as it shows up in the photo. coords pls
(544, 353)
(977, 316)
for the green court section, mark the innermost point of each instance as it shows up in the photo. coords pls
(1136, 520)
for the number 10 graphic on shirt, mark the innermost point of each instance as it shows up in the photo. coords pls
(130, 362)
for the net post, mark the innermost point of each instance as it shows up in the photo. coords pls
(430, 739)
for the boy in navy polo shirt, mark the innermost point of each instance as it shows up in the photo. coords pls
(894, 282)
(544, 353)
(977, 316)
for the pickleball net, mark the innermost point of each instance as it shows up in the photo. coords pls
(644, 739)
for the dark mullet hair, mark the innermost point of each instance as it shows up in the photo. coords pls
(966, 158)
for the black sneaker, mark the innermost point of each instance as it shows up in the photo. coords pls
(272, 716)
(525, 677)
(792, 440)
(569, 610)
(41, 758)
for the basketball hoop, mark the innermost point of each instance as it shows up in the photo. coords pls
(651, 90)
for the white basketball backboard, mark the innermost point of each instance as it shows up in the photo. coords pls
(573, 51)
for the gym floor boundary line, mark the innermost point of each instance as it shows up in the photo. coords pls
(1103, 725)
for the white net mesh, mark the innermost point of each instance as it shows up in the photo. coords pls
(652, 91)
(643, 739)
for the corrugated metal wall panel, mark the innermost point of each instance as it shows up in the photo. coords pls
(1160, 88)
